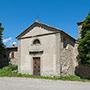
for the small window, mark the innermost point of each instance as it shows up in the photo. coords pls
(36, 41)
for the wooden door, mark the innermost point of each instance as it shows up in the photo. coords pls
(36, 66)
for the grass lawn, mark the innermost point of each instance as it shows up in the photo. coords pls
(7, 72)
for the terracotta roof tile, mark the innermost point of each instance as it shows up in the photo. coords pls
(11, 47)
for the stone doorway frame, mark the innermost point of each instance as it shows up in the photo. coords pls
(36, 66)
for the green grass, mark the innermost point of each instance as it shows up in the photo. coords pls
(7, 72)
(74, 78)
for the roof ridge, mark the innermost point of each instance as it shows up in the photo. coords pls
(46, 26)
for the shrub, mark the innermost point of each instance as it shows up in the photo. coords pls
(10, 67)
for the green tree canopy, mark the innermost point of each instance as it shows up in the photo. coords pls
(84, 49)
(1, 43)
(84, 44)
(85, 26)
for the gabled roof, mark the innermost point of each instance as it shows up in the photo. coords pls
(79, 23)
(45, 26)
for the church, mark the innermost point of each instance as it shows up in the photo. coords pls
(45, 50)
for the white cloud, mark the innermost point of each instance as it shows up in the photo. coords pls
(6, 40)
(9, 41)
(14, 43)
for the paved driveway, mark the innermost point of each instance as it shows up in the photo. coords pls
(40, 84)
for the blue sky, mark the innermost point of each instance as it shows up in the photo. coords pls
(17, 15)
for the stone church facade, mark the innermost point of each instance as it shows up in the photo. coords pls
(46, 51)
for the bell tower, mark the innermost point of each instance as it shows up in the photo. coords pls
(79, 29)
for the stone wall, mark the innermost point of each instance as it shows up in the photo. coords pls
(70, 64)
(15, 59)
(69, 54)
(65, 40)
(79, 31)
(68, 61)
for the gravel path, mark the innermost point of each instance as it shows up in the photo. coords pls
(12, 83)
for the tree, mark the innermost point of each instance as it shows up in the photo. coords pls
(85, 26)
(84, 44)
(1, 43)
